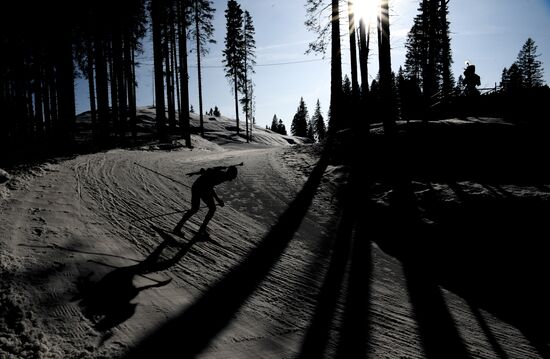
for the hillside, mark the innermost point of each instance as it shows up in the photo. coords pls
(446, 262)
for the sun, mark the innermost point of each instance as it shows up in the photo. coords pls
(366, 10)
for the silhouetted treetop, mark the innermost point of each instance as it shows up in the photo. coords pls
(529, 65)
(299, 126)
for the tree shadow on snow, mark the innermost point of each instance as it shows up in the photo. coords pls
(491, 251)
(190, 332)
(347, 279)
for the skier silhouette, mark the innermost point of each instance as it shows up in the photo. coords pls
(471, 80)
(203, 188)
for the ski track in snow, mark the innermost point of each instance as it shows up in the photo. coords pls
(81, 220)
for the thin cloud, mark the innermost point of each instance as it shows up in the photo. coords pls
(287, 44)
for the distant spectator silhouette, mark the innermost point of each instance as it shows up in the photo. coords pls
(203, 188)
(471, 80)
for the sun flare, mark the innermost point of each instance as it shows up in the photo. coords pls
(366, 10)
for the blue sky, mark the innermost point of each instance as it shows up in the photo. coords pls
(488, 33)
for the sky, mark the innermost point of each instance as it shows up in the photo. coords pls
(487, 33)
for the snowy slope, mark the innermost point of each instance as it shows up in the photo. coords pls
(83, 274)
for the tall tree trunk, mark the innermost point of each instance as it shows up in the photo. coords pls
(46, 98)
(29, 94)
(157, 15)
(175, 69)
(432, 48)
(114, 91)
(198, 44)
(353, 59)
(20, 94)
(446, 47)
(169, 84)
(353, 51)
(38, 99)
(251, 109)
(246, 99)
(102, 89)
(429, 29)
(364, 37)
(184, 77)
(65, 83)
(236, 89)
(335, 70)
(384, 58)
(91, 85)
(52, 86)
(173, 64)
(118, 66)
(4, 103)
(247, 108)
(129, 64)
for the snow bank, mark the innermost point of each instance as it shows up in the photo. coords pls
(224, 130)
(19, 337)
(4, 176)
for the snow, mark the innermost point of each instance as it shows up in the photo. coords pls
(4, 176)
(83, 274)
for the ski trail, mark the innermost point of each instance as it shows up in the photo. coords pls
(124, 192)
(81, 220)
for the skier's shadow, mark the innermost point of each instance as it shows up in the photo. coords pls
(108, 302)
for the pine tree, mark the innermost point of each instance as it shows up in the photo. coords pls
(504, 77)
(318, 123)
(429, 57)
(274, 124)
(346, 89)
(347, 102)
(299, 122)
(530, 68)
(414, 57)
(281, 128)
(249, 60)
(203, 32)
(310, 130)
(233, 53)
(512, 79)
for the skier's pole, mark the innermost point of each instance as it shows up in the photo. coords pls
(163, 175)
